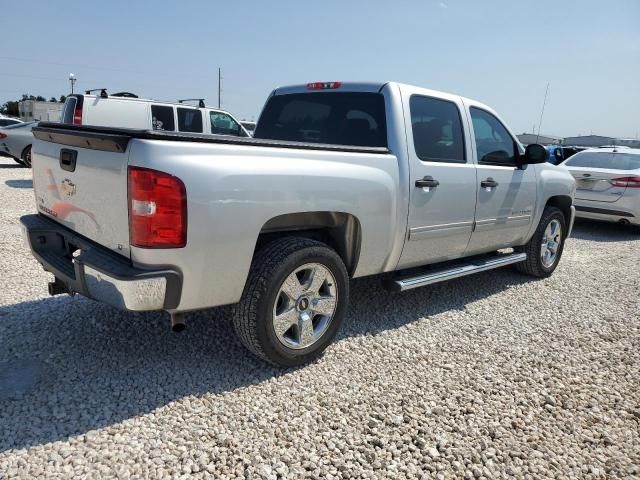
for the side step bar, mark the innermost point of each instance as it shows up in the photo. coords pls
(480, 265)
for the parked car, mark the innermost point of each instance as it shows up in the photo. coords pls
(341, 180)
(16, 141)
(560, 153)
(6, 121)
(126, 110)
(250, 126)
(608, 184)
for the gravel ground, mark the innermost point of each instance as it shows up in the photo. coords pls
(490, 376)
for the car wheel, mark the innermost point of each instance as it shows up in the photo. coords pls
(26, 156)
(545, 248)
(18, 161)
(294, 301)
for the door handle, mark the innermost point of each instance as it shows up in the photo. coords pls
(489, 183)
(427, 182)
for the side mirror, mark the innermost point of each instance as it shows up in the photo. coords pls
(534, 153)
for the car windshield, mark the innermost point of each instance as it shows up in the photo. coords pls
(19, 125)
(329, 117)
(608, 160)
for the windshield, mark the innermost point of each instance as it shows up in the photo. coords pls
(327, 117)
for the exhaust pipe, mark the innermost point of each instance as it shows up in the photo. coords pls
(177, 322)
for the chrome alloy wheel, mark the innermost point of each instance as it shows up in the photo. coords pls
(305, 305)
(551, 243)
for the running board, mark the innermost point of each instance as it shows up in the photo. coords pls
(461, 270)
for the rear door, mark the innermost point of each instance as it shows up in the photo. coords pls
(594, 173)
(84, 188)
(442, 179)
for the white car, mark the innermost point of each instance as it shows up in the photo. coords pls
(6, 121)
(125, 110)
(16, 140)
(608, 184)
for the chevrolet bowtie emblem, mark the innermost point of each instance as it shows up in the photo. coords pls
(68, 187)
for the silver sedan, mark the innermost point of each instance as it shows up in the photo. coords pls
(608, 184)
(16, 140)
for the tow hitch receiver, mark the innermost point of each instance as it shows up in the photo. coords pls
(57, 287)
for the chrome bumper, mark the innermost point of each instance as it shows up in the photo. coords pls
(84, 267)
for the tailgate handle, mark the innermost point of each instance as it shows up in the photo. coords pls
(68, 159)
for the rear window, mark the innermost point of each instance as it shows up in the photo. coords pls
(68, 109)
(328, 117)
(614, 161)
(162, 118)
(189, 120)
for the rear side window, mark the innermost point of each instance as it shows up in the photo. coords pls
(494, 144)
(162, 118)
(437, 129)
(328, 117)
(189, 120)
(223, 124)
(68, 110)
(614, 161)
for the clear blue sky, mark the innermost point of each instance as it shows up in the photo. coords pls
(501, 52)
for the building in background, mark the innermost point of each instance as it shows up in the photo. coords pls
(30, 110)
(589, 141)
(529, 138)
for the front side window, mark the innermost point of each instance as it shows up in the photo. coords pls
(162, 118)
(437, 130)
(189, 120)
(494, 144)
(223, 124)
(339, 118)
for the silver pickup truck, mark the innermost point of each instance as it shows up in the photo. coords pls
(341, 180)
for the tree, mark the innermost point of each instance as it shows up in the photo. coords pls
(10, 108)
(62, 98)
(53, 99)
(40, 98)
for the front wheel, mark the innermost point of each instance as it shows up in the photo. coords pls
(26, 157)
(545, 248)
(294, 301)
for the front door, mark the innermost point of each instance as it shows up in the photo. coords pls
(442, 181)
(506, 194)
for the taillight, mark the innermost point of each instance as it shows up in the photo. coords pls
(629, 182)
(77, 115)
(3, 135)
(157, 209)
(323, 85)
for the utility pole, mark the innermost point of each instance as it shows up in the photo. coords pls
(72, 80)
(219, 85)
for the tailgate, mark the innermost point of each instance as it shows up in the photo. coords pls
(80, 181)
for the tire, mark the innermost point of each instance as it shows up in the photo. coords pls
(535, 265)
(266, 294)
(26, 156)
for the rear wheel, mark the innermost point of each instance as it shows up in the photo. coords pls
(26, 156)
(294, 301)
(544, 250)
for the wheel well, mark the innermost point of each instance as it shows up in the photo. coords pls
(341, 231)
(563, 202)
(24, 151)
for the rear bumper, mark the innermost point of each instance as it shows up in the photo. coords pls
(610, 212)
(96, 272)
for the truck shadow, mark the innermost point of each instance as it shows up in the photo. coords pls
(594, 230)
(92, 366)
